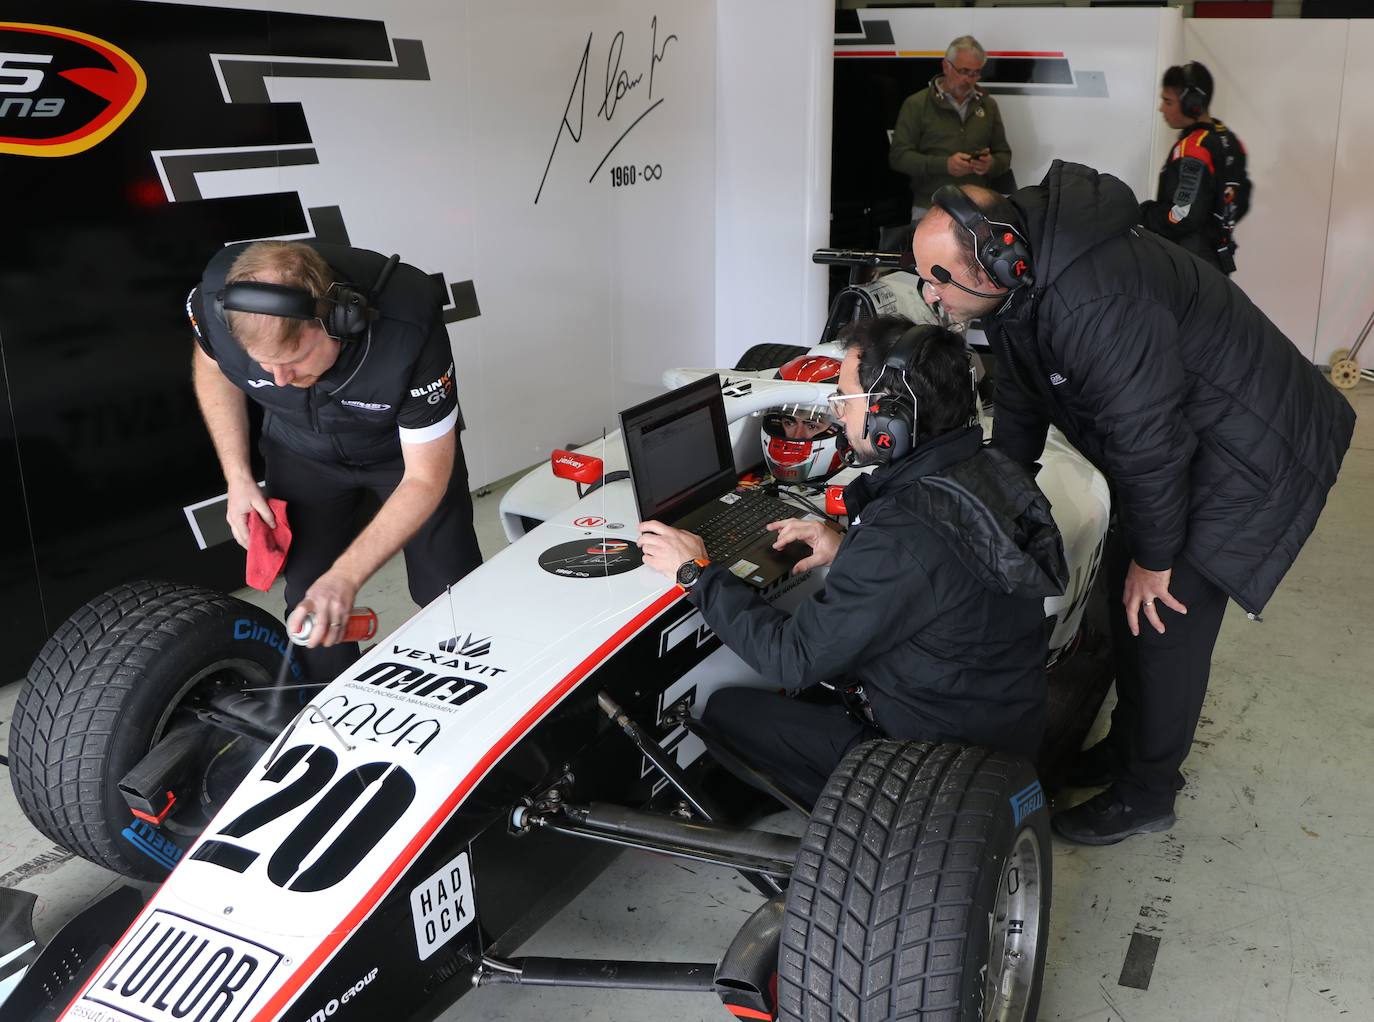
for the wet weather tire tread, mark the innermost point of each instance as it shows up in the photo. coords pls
(881, 898)
(72, 703)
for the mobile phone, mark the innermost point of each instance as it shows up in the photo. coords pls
(985, 151)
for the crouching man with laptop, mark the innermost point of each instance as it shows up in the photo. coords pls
(931, 620)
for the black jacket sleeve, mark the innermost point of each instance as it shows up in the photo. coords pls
(1184, 203)
(876, 595)
(1129, 380)
(1019, 425)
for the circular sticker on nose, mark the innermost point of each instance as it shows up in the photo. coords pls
(593, 557)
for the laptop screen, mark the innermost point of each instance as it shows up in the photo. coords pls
(678, 449)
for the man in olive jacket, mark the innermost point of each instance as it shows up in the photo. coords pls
(951, 131)
(1219, 439)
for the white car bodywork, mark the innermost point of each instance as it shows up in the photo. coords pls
(1077, 492)
(361, 812)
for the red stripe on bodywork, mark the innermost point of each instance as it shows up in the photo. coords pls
(402, 862)
(738, 1012)
(865, 53)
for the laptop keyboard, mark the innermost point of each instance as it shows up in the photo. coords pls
(739, 524)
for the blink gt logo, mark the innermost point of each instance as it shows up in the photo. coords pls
(62, 91)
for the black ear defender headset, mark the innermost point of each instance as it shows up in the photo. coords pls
(1000, 248)
(345, 312)
(890, 419)
(1192, 98)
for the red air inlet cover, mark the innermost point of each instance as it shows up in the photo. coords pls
(580, 468)
(834, 500)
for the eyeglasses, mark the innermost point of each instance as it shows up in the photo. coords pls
(966, 72)
(836, 402)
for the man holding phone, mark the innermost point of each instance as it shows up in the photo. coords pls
(951, 131)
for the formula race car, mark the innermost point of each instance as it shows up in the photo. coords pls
(378, 847)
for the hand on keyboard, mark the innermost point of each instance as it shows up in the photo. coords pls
(822, 540)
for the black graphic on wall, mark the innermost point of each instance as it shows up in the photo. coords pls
(101, 444)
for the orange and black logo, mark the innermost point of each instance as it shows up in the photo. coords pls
(62, 91)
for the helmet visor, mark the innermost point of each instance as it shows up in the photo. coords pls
(794, 422)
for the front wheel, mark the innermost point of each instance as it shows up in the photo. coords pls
(921, 890)
(125, 671)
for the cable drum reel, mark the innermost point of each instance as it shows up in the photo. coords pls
(1345, 369)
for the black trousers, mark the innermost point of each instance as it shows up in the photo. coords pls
(798, 744)
(1161, 680)
(323, 503)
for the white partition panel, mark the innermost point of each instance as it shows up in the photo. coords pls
(1347, 297)
(1289, 134)
(773, 115)
(593, 289)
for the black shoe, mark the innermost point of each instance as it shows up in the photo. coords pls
(1095, 768)
(1106, 819)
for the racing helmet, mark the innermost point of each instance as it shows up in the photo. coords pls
(801, 443)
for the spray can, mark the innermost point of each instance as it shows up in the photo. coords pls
(360, 624)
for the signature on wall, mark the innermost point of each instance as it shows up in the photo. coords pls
(624, 91)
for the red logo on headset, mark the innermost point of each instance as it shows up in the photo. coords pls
(1019, 268)
(884, 440)
(62, 91)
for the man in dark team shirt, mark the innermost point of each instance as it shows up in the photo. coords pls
(349, 358)
(1203, 186)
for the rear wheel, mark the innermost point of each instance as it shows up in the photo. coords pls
(921, 890)
(769, 356)
(124, 672)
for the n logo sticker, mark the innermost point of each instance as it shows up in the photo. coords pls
(62, 91)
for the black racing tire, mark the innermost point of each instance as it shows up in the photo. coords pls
(112, 681)
(921, 890)
(769, 356)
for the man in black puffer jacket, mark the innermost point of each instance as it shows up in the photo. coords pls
(934, 603)
(1220, 440)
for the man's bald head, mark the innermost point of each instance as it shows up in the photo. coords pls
(941, 242)
(992, 205)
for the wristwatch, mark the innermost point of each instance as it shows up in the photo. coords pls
(690, 571)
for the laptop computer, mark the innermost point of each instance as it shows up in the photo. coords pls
(682, 468)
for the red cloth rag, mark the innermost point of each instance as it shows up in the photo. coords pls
(267, 547)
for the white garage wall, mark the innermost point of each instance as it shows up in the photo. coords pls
(773, 117)
(1290, 136)
(1348, 269)
(585, 295)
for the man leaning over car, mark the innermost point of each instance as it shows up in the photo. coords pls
(932, 614)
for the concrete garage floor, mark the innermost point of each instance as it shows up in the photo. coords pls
(1256, 907)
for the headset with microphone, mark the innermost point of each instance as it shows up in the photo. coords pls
(1000, 248)
(344, 311)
